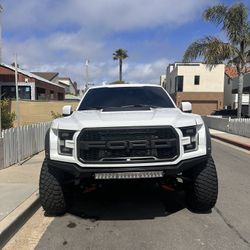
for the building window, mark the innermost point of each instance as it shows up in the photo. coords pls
(196, 80)
(179, 83)
(40, 94)
(51, 94)
(24, 92)
(67, 90)
(228, 81)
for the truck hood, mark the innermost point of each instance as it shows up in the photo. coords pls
(154, 117)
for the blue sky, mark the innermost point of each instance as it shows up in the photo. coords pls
(60, 35)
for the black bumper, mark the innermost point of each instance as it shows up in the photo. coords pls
(81, 172)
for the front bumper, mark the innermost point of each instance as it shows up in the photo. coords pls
(80, 172)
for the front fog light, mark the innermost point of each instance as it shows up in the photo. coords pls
(189, 147)
(66, 151)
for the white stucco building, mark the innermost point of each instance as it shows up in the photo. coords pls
(198, 84)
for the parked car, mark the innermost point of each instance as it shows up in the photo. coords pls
(225, 112)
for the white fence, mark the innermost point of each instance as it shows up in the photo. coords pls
(31, 141)
(238, 126)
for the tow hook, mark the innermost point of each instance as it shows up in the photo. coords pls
(89, 189)
(168, 187)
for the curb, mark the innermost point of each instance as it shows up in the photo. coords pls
(235, 143)
(17, 218)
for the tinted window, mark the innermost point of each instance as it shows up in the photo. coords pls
(179, 83)
(196, 80)
(125, 96)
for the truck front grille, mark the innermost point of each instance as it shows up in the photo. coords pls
(135, 144)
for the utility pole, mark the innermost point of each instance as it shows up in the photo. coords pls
(17, 111)
(87, 74)
(1, 10)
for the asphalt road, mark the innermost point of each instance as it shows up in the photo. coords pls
(143, 216)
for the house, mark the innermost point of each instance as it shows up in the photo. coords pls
(246, 93)
(50, 76)
(197, 83)
(231, 89)
(230, 73)
(65, 82)
(162, 80)
(68, 84)
(30, 86)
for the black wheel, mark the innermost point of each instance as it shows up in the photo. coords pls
(51, 191)
(203, 190)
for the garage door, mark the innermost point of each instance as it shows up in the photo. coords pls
(204, 107)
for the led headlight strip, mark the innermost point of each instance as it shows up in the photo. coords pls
(190, 133)
(66, 143)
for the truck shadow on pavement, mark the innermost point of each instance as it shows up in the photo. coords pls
(126, 201)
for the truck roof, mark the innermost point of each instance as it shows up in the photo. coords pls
(124, 85)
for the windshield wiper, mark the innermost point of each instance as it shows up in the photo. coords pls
(92, 108)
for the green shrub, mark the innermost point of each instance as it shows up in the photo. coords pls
(7, 117)
(55, 115)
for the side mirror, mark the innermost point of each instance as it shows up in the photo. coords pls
(67, 110)
(186, 107)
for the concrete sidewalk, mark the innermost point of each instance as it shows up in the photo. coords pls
(235, 140)
(18, 184)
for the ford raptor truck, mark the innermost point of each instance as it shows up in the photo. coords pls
(128, 131)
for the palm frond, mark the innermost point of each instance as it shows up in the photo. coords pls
(236, 23)
(215, 14)
(213, 50)
(248, 37)
(120, 54)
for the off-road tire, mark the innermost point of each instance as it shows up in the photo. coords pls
(52, 197)
(203, 190)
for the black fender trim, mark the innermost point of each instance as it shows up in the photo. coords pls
(46, 144)
(208, 140)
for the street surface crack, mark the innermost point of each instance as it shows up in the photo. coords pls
(231, 226)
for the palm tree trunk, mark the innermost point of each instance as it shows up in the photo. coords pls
(120, 69)
(240, 91)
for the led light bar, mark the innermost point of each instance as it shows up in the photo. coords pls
(129, 175)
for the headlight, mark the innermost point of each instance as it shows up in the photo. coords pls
(191, 134)
(66, 143)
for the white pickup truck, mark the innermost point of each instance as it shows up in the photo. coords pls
(128, 131)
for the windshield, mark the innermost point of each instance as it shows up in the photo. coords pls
(120, 97)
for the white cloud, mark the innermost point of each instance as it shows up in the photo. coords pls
(147, 72)
(60, 35)
(109, 14)
(59, 48)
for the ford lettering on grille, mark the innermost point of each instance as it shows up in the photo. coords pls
(160, 143)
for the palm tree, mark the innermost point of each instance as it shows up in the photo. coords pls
(120, 55)
(234, 22)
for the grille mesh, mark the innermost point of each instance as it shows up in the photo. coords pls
(125, 135)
